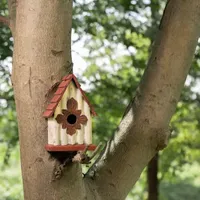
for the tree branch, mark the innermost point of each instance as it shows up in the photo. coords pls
(4, 20)
(144, 129)
(12, 6)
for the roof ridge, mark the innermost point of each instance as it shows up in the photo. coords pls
(59, 93)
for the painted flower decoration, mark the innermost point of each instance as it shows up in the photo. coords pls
(71, 119)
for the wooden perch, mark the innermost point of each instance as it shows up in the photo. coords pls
(82, 156)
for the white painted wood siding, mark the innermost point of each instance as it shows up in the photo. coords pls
(53, 132)
(88, 126)
(72, 93)
(63, 133)
(57, 135)
(80, 133)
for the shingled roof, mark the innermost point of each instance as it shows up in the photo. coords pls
(59, 93)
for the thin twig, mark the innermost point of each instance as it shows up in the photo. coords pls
(82, 156)
(96, 150)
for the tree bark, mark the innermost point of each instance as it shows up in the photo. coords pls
(12, 5)
(152, 178)
(43, 28)
(144, 129)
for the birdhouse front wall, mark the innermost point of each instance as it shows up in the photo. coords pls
(56, 134)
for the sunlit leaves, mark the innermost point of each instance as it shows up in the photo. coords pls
(118, 35)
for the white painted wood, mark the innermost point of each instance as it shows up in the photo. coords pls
(72, 90)
(57, 110)
(60, 136)
(79, 99)
(63, 137)
(72, 93)
(51, 138)
(53, 132)
(71, 139)
(64, 99)
(80, 133)
(63, 134)
(57, 133)
(88, 126)
(58, 126)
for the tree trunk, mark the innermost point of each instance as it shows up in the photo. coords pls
(42, 31)
(152, 178)
(42, 56)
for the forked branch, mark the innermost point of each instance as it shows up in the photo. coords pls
(145, 127)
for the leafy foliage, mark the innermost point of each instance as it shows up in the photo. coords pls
(119, 43)
(118, 35)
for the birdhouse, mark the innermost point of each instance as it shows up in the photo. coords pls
(69, 116)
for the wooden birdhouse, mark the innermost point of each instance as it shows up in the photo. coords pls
(69, 116)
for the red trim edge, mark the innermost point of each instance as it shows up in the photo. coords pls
(75, 147)
(59, 93)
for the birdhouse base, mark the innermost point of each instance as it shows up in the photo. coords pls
(75, 147)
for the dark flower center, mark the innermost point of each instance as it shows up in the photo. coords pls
(71, 119)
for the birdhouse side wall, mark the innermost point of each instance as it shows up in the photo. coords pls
(53, 132)
(88, 126)
(80, 133)
(59, 136)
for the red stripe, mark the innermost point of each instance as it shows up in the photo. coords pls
(75, 147)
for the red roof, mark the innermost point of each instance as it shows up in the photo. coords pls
(59, 93)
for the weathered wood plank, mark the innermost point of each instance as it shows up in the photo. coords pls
(80, 133)
(88, 126)
(72, 93)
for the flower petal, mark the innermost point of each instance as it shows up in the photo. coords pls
(65, 112)
(64, 126)
(77, 112)
(83, 119)
(60, 118)
(72, 104)
(77, 126)
(71, 130)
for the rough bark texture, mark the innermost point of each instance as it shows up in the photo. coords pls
(152, 178)
(12, 5)
(43, 28)
(144, 129)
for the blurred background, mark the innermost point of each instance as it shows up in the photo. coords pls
(111, 43)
